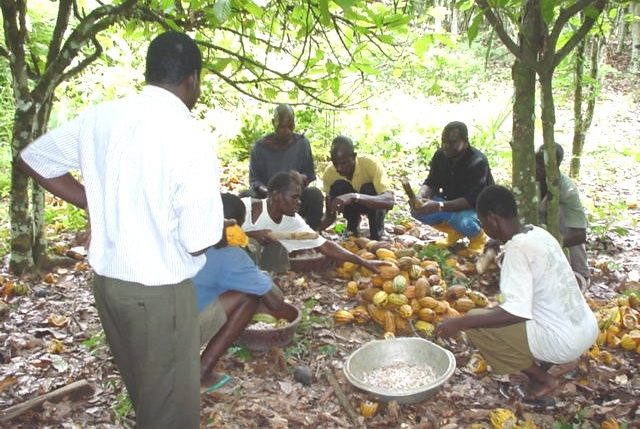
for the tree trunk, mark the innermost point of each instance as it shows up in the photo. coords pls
(621, 29)
(453, 13)
(582, 120)
(551, 165)
(21, 221)
(523, 141)
(634, 66)
(524, 112)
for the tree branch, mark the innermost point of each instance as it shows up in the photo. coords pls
(563, 17)
(498, 26)
(62, 22)
(579, 35)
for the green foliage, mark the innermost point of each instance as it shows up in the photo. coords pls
(239, 148)
(95, 342)
(65, 217)
(241, 353)
(605, 218)
(122, 407)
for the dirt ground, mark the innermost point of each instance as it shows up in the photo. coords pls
(50, 337)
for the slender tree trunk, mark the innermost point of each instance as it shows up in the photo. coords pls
(621, 29)
(582, 120)
(551, 165)
(453, 13)
(634, 66)
(524, 112)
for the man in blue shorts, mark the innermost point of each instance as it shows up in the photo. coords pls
(229, 289)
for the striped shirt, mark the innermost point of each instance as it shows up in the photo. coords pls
(152, 183)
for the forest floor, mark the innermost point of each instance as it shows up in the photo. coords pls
(51, 336)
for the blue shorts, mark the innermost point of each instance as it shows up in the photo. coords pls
(228, 268)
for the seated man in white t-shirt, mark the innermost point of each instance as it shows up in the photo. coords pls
(542, 318)
(278, 213)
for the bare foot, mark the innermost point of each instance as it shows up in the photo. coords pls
(537, 389)
(562, 369)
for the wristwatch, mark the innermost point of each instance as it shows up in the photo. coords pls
(357, 197)
(441, 205)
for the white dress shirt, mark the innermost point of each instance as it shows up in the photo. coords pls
(152, 183)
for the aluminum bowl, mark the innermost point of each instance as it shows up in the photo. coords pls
(408, 350)
(260, 340)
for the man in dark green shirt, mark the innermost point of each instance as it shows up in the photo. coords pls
(282, 151)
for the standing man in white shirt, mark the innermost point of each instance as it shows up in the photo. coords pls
(542, 318)
(151, 183)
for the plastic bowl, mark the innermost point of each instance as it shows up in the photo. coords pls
(260, 340)
(410, 350)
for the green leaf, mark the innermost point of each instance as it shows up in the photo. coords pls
(366, 68)
(472, 31)
(270, 93)
(421, 45)
(325, 17)
(222, 10)
(346, 5)
(548, 10)
(220, 64)
(253, 8)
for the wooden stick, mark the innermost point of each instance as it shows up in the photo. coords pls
(346, 405)
(74, 390)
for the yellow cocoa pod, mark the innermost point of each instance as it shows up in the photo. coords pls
(360, 314)
(388, 272)
(352, 289)
(415, 271)
(368, 409)
(349, 267)
(594, 352)
(477, 364)
(455, 292)
(426, 315)
(502, 418)
(370, 244)
(478, 298)
(385, 254)
(602, 338)
(428, 302)
(342, 317)
(380, 299)
(415, 304)
(627, 343)
(610, 423)
(423, 288)
(377, 314)
(425, 328)
(350, 246)
(464, 304)
(389, 322)
(367, 255)
(388, 287)
(405, 311)
(380, 245)
(397, 299)
(441, 307)
(236, 236)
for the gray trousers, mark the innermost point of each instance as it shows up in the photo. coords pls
(153, 334)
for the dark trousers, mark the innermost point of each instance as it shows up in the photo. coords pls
(311, 204)
(353, 212)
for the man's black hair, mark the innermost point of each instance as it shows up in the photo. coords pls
(171, 57)
(559, 153)
(280, 182)
(456, 129)
(497, 199)
(233, 208)
(281, 113)
(342, 144)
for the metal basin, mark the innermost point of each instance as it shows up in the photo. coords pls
(260, 340)
(411, 351)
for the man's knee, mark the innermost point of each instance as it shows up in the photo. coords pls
(368, 189)
(340, 187)
(466, 223)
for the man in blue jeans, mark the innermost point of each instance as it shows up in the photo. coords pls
(458, 173)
